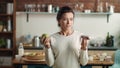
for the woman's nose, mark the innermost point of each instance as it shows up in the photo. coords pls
(68, 22)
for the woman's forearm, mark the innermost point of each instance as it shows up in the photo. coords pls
(83, 57)
(49, 56)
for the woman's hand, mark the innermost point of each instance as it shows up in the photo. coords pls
(45, 40)
(84, 42)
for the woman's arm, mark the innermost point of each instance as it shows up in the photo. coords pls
(49, 56)
(84, 50)
(46, 41)
(83, 57)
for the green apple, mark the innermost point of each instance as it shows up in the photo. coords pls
(45, 35)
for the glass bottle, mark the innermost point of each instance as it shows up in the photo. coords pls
(107, 39)
(8, 43)
(21, 49)
(9, 25)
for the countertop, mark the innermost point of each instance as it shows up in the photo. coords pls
(23, 61)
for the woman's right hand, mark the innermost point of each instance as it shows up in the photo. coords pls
(45, 40)
(84, 42)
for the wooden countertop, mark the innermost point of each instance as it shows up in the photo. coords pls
(97, 62)
(23, 61)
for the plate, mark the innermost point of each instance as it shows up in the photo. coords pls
(28, 60)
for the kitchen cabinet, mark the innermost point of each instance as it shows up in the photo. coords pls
(7, 32)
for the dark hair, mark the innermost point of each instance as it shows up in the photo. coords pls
(63, 10)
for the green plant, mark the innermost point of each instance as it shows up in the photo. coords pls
(1, 23)
(2, 42)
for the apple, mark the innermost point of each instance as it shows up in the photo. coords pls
(45, 35)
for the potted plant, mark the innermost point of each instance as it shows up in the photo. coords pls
(1, 26)
(2, 43)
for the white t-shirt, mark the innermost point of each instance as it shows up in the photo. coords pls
(65, 51)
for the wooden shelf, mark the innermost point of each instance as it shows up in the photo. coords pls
(6, 14)
(5, 49)
(6, 66)
(6, 32)
(101, 13)
(6, 1)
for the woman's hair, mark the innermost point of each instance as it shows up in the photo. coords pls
(64, 9)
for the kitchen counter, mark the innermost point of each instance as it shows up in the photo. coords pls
(23, 61)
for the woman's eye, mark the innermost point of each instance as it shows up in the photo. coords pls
(71, 19)
(64, 19)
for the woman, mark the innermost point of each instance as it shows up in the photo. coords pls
(66, 48)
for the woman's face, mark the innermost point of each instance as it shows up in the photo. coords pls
(66, 22)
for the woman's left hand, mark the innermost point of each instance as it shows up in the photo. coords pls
(84, 42)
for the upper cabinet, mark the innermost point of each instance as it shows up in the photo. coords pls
(7, 32)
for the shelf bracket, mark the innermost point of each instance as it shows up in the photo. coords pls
(108, 18)
(27, 17)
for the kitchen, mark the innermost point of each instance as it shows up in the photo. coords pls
(95, 25)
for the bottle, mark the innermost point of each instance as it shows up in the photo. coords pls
(111, 41)
(107, 39)
(20, 49)
(101, 7)
(50, 8)
(111, 9)
(97, 5)
(8, 43)
(9, 25)
(37, 41)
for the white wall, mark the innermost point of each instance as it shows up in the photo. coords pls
(91, 25)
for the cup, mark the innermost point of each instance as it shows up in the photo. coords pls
(108, 58)
(18, 57)
(91, 58)
(101, 57)
(87, 11)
